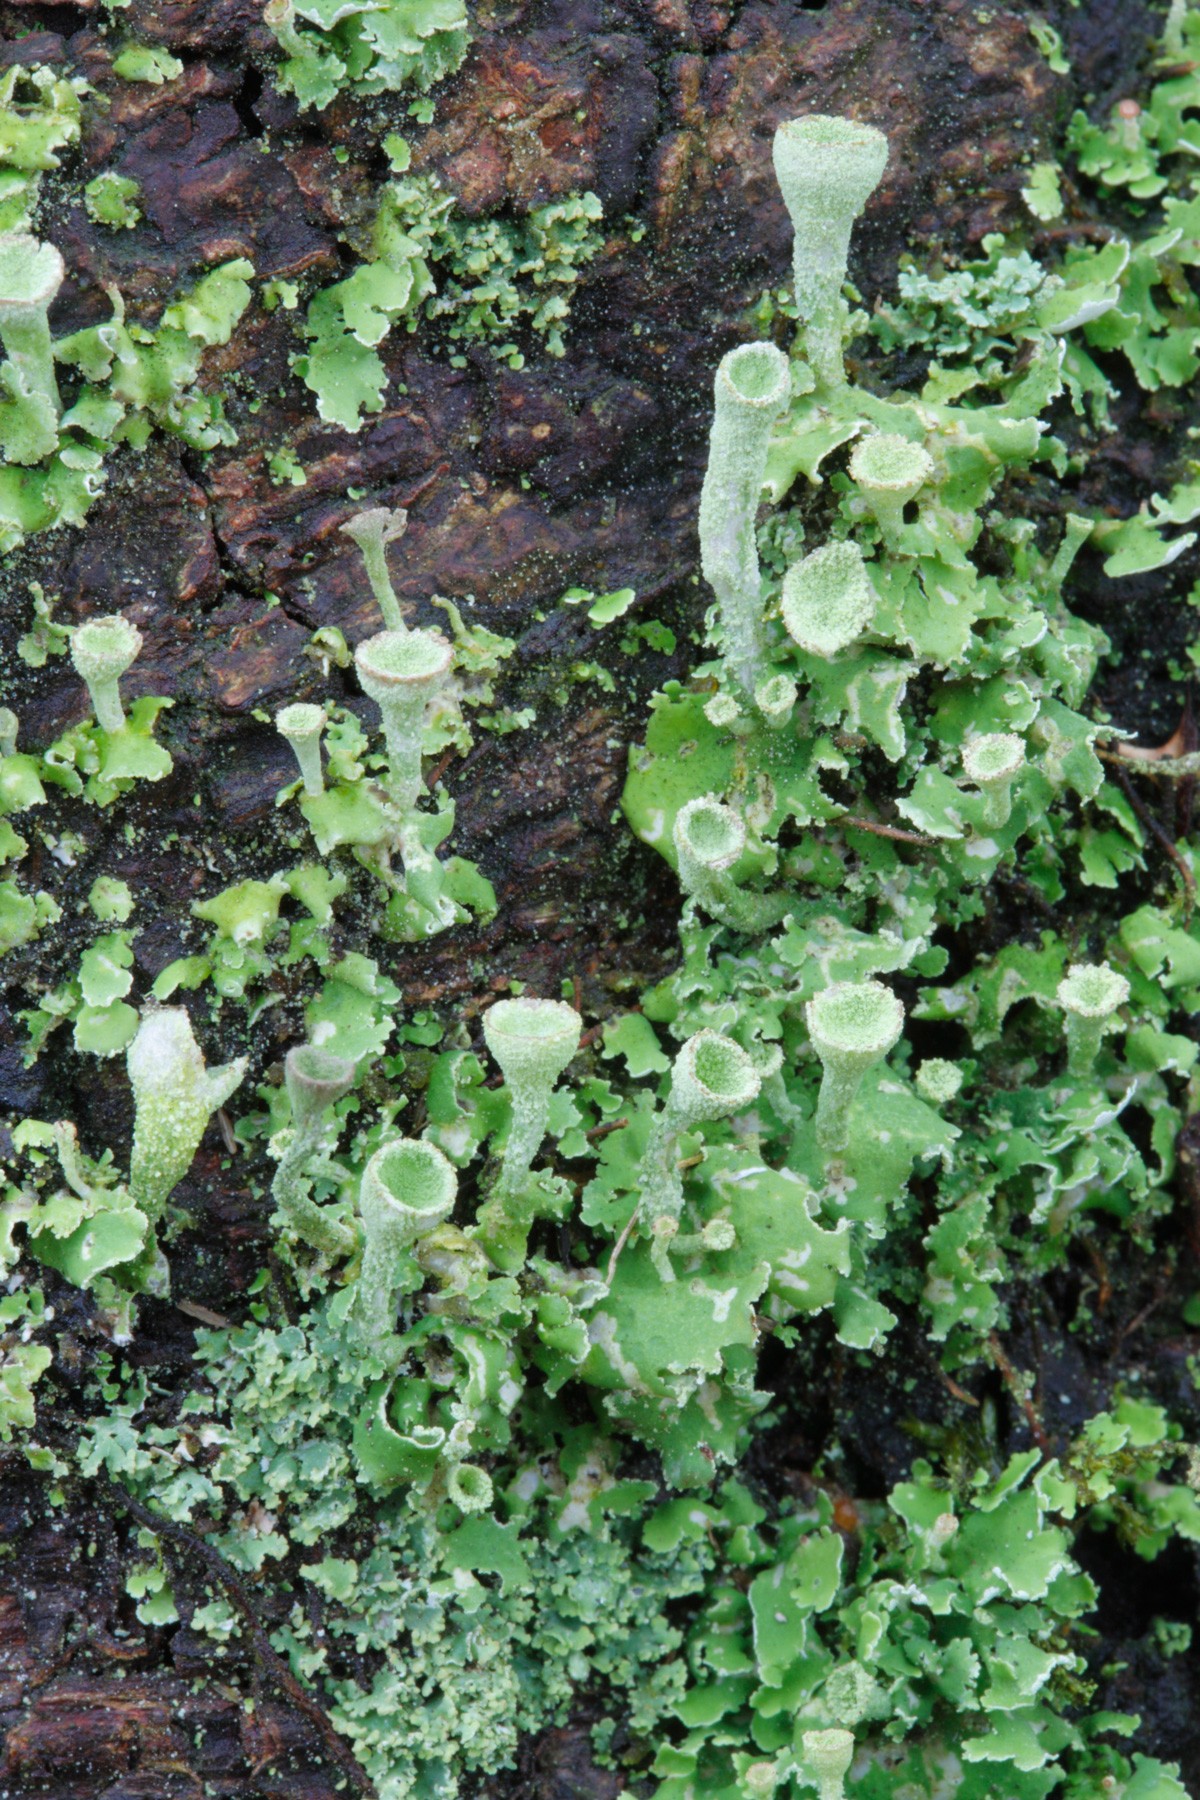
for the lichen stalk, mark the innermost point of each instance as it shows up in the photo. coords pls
(752, 384)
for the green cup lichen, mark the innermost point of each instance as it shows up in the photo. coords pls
(751, 388)
(828, 601)
(1090, 994)
(853, 1025)
(709, 840)
(532, 1041)
(712, 1078)
(408, 1188)
(829, 1755)
(373, 530)
(827, 169)
(102, 650)
(302, 725)
(402, 671)
(992, 762)
(315, 1079)
(890, 470)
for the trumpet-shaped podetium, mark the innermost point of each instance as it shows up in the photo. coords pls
(174, 1097)
(992, 762)
(752, 385)
(303, 725)
(775, 699)
(853, 1025)
(891, 471)
(532, 1041)
(314, 1080)
(712, 1078)
(373, 530)
(827, 169)
(470, 1487)
(30, 276)
(408, 1188)
(828, 601)
(402, 671)
(1090, 994)
(102, 650)
(829, 1755)
(709, 839)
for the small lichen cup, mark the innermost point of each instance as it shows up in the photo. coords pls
(401, 672)
(853, 1025)
(373, 530)
(891, 471)
(532, 1041)
(712, 1078)
(302, 726)
(829, 1755)
(992, 762)
(1091, 995)
(828, 601)
(709, 837)
(408, 1188)
(102, 650)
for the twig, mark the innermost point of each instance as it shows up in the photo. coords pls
(1162, 839)
(888, 831)
(618, 1247)
(268, 1656)
(599, 1131)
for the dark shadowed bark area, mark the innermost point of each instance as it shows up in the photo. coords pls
(584, 470)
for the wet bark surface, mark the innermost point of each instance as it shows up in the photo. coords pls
(518, 484)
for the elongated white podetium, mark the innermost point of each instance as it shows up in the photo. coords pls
(827, 169)
(752, 385)
(532, 1041)
(402, 671)
(302, 726)
(373, 530)
(408, 1187)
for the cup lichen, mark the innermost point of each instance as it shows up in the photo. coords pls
(827, 169)
(1091, 995)
(853, 1025)
(102, 650)
(752, 385)
(408, 1188)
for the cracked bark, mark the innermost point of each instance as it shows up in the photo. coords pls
(519, 484)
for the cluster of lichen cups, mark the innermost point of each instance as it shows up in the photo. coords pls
(402, 670)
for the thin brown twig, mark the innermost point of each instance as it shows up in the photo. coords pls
(888, 831)
(599, 1131)
(1163, 840)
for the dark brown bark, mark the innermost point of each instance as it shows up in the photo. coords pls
(585, 470)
